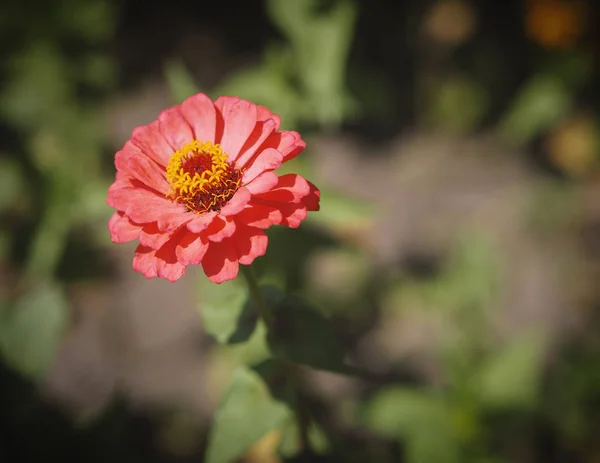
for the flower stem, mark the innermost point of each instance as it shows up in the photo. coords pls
(290, 369)
(263, 309)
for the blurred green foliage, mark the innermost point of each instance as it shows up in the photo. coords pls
(53, 182)
(303, 80)
(485, 397)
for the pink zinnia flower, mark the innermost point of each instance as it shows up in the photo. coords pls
(197, 187)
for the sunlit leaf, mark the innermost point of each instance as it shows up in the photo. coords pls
(420, 418)
(339, 210)
(247, 412)
(222, 306)
(36, 88)
(541, 103)
(31, 330)
(511, 378)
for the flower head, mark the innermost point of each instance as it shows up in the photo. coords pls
(197, 186)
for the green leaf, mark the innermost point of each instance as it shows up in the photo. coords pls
(320, 39)
(228, 313)
(11, 184)
(36, 88)
(180, 81)
(222, 309)
(339, 210)
(247, 412)
(420, 418)
(399, 410)
(31, 330)
(540, 104)
(457, 104)
(305, 336)
(289, 444)
(511, 378)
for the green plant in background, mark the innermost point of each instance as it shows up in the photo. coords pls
(447, 423)
(52, 183)
(55, 179)
(304, 79)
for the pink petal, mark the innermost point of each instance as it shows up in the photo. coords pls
(287, 143)
(289, 188)
(175, 128)
(201, 222)
(263, 183)
(292, 214)
(239, 124)
(122, 229)
(121, 157)
(141, 205)
(269, 159)
(167, 264)
(259, 215)
(311, 201)
(220, 262)
(264, 114)
(250, 243)
(191, 249)
(200, 113)
(152, 237)
(175, 218)
(223, 104)
(144, 262)
(148, 172)
(219, 229)
(261, 132)
(152, 143)
(237, 203)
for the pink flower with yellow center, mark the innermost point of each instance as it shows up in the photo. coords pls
(197, 186)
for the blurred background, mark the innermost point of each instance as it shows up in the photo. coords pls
(457, 251)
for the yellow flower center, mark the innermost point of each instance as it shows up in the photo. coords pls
(201, 178)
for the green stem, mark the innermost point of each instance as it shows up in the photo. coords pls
(257, 295)
(289, 368)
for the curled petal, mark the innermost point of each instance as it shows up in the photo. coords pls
(152, 237)
(122, 229)
(237, 203)
(262, 183)
(259, 215)
(267, 160)
(250, 243)
(289, 188)
(219, 229)
(264, 114)
(167, 264)
(311, 201)
(220, 263)
(288, 143)
(201, 222)
(191, 249)
(292, 214)
(144, 261)
(262, 131)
